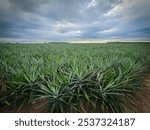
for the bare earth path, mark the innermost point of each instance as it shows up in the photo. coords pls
(141, 102)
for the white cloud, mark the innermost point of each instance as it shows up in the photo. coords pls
(128, 9)
(119, 8)
(111, 30)
(63, 25)
(92, 3)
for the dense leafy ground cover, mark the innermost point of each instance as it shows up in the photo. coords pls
(72, 77)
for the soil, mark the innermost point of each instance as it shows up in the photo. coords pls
(29, 108)
(3, 89)
(141, 101)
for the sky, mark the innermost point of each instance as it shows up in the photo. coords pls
(74, 20)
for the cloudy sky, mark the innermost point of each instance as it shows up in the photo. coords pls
(69, 20)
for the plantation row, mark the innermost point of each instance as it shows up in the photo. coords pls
(71, 77)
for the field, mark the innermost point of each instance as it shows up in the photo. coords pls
(71, 77)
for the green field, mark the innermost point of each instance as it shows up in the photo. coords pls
(71, 77)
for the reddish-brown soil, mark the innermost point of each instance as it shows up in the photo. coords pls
(39, 106)
(141, 101)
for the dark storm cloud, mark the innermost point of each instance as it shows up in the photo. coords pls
(60, 20)
(27, 5)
